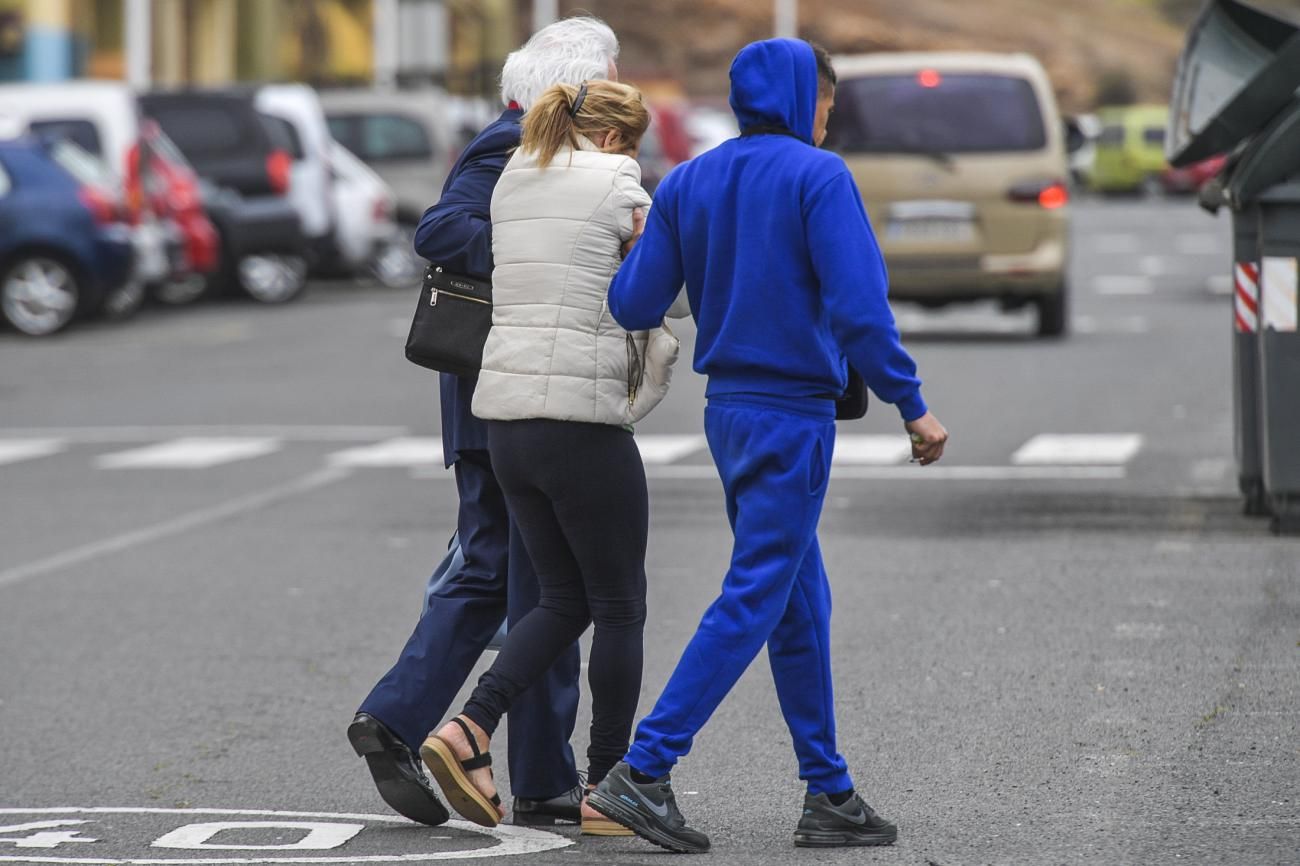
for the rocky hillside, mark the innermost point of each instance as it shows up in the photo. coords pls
(1081, 42)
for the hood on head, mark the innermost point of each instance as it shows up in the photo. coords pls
(774, 83)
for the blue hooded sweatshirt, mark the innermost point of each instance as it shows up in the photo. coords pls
(769, 235)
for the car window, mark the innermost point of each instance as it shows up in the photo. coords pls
(5, 184)
(1112, 135)
(203, 130)
(1154, 135)
(284, 135)
(81, 132)
(84, 166)
(380, 137)
(345, 129)
(936, 112)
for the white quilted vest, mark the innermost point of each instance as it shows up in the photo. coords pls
(554, 350)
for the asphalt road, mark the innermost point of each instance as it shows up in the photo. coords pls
(216, 525)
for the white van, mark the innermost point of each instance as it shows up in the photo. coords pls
(308, 141)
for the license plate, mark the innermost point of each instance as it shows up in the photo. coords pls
(934, 230)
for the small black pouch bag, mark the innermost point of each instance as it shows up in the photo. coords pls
(451, 323)
(852, 405)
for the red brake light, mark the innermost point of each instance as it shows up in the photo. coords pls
(1047, 194)
(929, 78)
(278, 167)
(1053, 196)
(383, 210)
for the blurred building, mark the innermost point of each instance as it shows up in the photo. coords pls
(458, 43)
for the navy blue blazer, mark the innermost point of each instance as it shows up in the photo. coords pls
(457, 234)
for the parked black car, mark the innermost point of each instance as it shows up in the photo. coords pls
(246, 167)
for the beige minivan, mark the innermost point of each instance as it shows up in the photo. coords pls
(961, 161)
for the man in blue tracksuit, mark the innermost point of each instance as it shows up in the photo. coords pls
(497, 580)
(785, 280)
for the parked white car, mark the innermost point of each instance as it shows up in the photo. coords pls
(408, 137)
(366, 234)
(307, 139)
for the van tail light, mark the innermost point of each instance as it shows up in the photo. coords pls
(100, 204)
(1047, 194)
(278, 167)
(383, 210)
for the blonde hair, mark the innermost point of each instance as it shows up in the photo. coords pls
(564, 112)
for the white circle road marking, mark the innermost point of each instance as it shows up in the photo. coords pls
(512, 840)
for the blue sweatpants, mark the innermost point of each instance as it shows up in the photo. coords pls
(774, 458)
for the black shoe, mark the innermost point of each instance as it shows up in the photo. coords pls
(544, 813)
(648, 810)
(396, 772)
(825, 825)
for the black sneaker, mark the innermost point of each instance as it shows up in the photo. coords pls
(545, 813)
(397, 772)
(648, 810)
(825, 825)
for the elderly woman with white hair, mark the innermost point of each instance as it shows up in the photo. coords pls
(497, 581)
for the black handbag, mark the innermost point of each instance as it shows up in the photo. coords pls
(852, 404)
(451, 323)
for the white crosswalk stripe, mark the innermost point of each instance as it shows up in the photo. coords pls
(405, 451)
(190, 453)
(663, 449)
(1104, 449)
(17, 450)
(668, 451)
(871, 450)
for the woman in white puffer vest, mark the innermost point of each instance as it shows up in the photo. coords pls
(561, 384)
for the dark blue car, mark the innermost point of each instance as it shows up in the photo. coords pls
(63, 245)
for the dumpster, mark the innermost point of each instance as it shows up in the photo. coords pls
(1235, 92)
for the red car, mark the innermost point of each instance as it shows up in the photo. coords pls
(164, 183)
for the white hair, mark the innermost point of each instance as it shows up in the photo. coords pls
(569, 51)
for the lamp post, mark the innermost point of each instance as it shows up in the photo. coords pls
(786, 15)
(544, 12)
(387, 43)
(139, 43)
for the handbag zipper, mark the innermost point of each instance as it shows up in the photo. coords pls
(433, 297)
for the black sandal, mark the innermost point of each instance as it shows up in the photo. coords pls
(451, 775)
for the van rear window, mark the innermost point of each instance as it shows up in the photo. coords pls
(205, 130)
(934, 111)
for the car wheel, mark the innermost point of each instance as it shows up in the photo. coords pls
(178, 291)
(395, 265)
(272, 279)
(39, 295)
(1053, 312)
(124, 302)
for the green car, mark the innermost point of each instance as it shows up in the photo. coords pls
(1130, 149)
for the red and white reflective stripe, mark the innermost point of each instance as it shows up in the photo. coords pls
(1245, 304)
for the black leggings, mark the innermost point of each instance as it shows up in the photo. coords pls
(577, 492)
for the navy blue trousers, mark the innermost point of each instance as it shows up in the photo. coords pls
(496, 583)
(774, 458)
